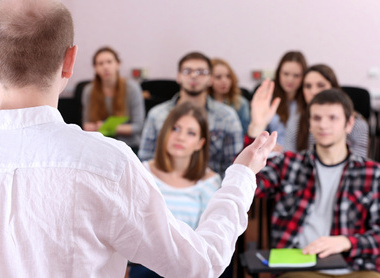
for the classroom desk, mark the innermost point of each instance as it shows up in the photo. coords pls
(253, 265)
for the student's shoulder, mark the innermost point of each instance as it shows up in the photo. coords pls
(223, 110)
(160, 111)
(133, 86)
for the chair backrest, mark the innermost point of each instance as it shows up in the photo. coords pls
(157, 91)
(245, 93)
(361, 99)
(71, 108)
(79, 89)
(160, 89)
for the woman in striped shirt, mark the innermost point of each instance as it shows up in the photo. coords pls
(180, 168)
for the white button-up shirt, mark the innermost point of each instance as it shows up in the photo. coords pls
(77, 204)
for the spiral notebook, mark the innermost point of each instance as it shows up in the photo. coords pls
(287, 257)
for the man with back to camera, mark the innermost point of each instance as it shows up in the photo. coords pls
(226, 135)
(306, 186)
(77, 204)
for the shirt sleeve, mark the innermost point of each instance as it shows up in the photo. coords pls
(358, 138)
(148, 138)
(233, 141)
(276, 125)
(136, 106)
(365, 245)
(244, 114)
(147, 233)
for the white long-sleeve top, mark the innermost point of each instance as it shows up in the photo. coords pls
(77, 204)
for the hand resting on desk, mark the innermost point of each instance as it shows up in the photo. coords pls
(328, 245)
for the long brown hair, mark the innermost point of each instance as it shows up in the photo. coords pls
(199, 159)
(303, 125)
(97, 109)
(283, 109)
(235, 92)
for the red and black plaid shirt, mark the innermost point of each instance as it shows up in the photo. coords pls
(290, 178)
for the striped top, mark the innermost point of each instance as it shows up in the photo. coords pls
(187, 204)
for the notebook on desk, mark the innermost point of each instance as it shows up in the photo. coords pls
(254, 265)
(290, 257)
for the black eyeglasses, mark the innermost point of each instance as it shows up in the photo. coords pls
(197, 72)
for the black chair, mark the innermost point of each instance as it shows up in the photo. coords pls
(245, 93)
(71, 108)
(79, 89)
(361, 99)
(157, 91)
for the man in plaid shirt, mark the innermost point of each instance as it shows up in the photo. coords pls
(327, 200)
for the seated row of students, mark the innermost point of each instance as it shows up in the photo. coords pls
(173, 134)
(295, 85)
(327, 199)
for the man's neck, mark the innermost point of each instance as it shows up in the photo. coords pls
(25, 98)
(332, 155)
(199, 100)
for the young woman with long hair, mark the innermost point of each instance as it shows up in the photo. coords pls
(111, 95)
(318, 78)
(180, 168)
(225, 89)
(288, 88)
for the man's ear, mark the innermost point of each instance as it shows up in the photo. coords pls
(69, 61)
(350, 124)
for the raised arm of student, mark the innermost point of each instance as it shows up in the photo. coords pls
(262, 108)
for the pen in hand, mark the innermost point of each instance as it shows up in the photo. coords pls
(262, 259)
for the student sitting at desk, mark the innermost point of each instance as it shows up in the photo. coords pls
(327, 200)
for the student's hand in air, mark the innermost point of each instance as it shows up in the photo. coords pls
(255, 155)
(262, 108)
(328, 245)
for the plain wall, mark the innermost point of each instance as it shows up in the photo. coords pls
(249, 34)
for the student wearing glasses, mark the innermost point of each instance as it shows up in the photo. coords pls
(194, 78)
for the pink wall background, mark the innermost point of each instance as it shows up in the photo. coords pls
(249, 34)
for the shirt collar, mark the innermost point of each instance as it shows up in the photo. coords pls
(25, 117)
(210, 102)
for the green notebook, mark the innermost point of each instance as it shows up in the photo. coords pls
(287, 257)
(109, 126)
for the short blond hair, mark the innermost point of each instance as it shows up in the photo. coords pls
(34, 38)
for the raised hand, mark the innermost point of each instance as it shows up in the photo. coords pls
(262, 108)
(255, 155)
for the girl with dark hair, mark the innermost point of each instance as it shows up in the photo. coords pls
(225, 89)
(111, 95)
(288, 88)
(318, 78)
(180, 168)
